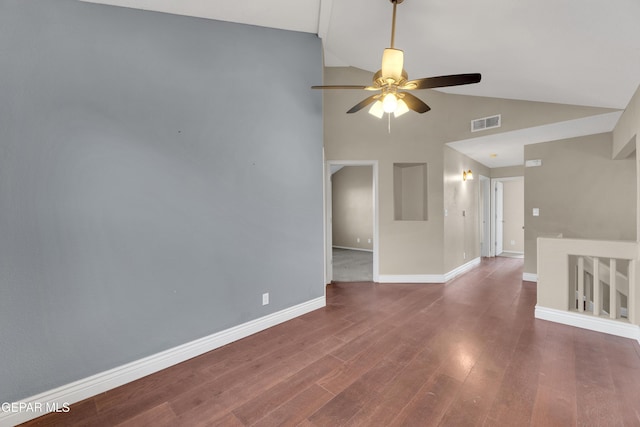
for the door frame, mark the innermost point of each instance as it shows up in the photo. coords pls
(485, 215)
(328, 220)
(498, 217)
(493, 207)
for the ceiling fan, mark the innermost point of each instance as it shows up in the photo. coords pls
(392, 81)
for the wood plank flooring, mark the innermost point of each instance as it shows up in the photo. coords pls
(468, 353)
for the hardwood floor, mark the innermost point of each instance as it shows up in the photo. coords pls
(462, 354)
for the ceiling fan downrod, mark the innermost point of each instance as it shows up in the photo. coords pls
(393, 21)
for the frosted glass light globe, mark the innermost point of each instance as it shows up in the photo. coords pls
(389, 103)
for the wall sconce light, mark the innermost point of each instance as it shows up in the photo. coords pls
(467, 175)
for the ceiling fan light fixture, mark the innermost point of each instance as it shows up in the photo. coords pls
(390, 103)
(377, 109)
(392, 63)
(392, 81)
(401, 108)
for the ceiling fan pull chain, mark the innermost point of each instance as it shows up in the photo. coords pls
(389, 120)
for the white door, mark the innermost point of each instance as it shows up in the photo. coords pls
(499, 216)
(485, 216)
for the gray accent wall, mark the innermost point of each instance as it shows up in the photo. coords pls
(157, 175)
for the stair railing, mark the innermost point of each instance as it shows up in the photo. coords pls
(558, 282)
(592, 275)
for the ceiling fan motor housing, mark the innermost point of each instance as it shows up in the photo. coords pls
(392, 63)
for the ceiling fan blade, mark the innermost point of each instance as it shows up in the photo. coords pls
(341, 87)
(363, 104)
(442, 81)
(415, 103)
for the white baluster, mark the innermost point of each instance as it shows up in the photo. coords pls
(597, 290)
(580, 284)
(587, 288)
(613, 289)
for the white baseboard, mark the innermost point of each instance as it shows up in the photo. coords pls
(462, 269)
(530, 277)
(429, 278)
(411, 278)
(104, 381)
(586, 321)
(353, 249)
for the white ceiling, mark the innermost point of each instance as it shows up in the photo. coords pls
(582, 52)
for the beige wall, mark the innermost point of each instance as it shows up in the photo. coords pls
(410, 191)
(627, 128)
(625, 141)
(515, 114)
(507, 172)
(513, 226)
(461, 231)
(352, 207)
(405, 247)
(418, 247)
(580, 191)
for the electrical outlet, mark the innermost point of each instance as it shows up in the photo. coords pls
(464, 255)
(513, 243)
(358, 239)
(368, 240)
(265, 298)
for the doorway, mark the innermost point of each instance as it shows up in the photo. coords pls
(368, 241)
(507, 219)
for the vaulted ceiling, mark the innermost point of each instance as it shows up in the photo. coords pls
(581, 52)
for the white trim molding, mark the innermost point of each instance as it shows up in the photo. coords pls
(530, 277)
(328, 218)
(411, 278)
(430, 278)
(59, 398)
(462, 269)
(352, 249)
(585, 321)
